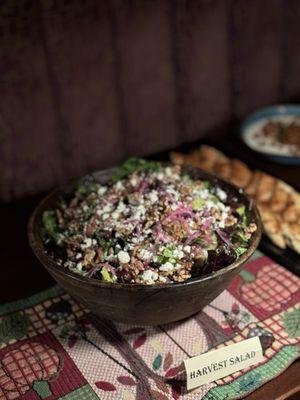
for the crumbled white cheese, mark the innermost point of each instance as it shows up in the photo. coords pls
(121, 206)
(69, 264)
(169, 172)
(101, 190)
(140, 212)
(153, 196)
(167, 267)
(210, 204)
(123, 257)
(221, 194)
(221, 224)
(187, 248)
(145, 254)
(115, 215)
(175, 194)
(119, 185)
(86, 243)
(78, 255)
(178, 254)
(61, 236)
(202, 192)
(149, 276)
(106, 208)
(155, 258)
(133, 182)
(162, 279)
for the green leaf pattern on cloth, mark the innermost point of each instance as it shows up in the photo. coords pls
(291, 321)
(14, 326)
(42, 389)
(83, 393)
(126, 362)
(249, 381)
(242, 385)
(157, 362)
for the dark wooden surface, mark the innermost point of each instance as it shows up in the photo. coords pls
(232, 146)
(22, 275)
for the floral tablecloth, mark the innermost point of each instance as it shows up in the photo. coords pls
(52, 348)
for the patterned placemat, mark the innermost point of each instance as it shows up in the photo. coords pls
(51, 347)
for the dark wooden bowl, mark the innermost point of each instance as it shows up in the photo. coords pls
(140, 304)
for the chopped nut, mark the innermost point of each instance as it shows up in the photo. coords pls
(230, 220)
(89, 256)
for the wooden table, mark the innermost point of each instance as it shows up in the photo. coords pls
(23, 276)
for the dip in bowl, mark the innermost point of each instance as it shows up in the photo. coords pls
(148, 243)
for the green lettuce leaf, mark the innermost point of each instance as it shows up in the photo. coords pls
(50, 225)
(107, 276)
(135, 164)
(241, 210)
(240, 250)
(198, 203)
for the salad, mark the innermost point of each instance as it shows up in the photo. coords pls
(150, 224)
(277, 136)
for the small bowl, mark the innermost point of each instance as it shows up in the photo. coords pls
(140, 304)
(255, 121)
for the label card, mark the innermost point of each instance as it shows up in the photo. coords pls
(216, 364)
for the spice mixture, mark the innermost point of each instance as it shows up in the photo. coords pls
(151, 224)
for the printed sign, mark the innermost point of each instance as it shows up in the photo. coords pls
(216, 364)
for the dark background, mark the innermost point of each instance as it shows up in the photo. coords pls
(85, 83)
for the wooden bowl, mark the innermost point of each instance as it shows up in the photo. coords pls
(140, 304)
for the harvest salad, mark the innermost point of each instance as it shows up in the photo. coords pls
(150, 224)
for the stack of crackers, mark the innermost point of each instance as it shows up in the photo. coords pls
(278, 203)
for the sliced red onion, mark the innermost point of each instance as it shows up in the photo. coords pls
(192, 237)
(166, 195)
(205, 213)
(98, 267)
(136, 225)
(160, 235)
(143, 186)
(208, 239)
(251, 202)
(138, 229)
(207, 223)
(181, 212)
(224, 237)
